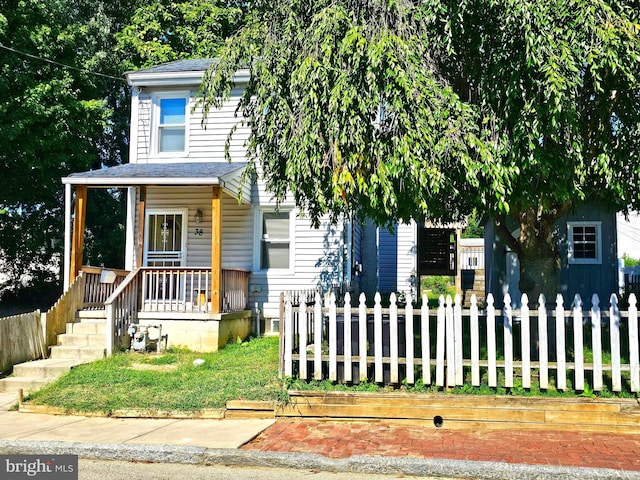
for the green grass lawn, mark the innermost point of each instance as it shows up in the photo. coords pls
(169, 381)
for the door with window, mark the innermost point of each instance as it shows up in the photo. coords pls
(165, 244)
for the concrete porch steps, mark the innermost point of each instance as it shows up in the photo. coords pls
(84, 342)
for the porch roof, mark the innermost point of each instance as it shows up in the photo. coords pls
(225, 174)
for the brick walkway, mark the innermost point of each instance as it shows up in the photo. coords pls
(345, 439)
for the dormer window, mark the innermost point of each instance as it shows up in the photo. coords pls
(172, 124)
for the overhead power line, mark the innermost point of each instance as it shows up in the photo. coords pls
(53, 62)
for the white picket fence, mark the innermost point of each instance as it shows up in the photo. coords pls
(450, 346)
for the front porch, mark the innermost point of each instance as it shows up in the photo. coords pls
(178, 298)
(179, 217)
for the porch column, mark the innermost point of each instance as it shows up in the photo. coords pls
(77, 245)
(141, 222)
(216, 249)
(130, 229)
(68, 199)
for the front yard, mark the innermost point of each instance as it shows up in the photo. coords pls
(169, 381)
(247, 371)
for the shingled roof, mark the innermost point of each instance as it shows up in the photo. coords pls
(193, 173)
(197, 65)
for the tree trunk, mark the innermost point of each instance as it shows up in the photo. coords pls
(536, 249)
(540, 274)
(539, 257)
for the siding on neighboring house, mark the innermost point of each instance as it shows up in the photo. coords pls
(397, 259)
(601, 278)
(357, 259)
(584, 279)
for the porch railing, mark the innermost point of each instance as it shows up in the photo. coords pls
(99, 284)
(168, 289)
(121, 309)
(472, 258)
(188, 289)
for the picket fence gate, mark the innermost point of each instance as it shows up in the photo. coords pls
(383, 347)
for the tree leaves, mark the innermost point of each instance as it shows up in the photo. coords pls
(348, 112)
(401, 110)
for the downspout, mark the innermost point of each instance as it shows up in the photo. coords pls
(349, 255)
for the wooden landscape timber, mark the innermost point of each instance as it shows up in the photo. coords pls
(469, 412)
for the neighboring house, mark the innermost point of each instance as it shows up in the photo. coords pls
(629, 235)
(587, 240)
(629, 249)
(200, 255)
(408, 252)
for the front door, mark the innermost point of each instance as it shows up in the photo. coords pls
(165, 245)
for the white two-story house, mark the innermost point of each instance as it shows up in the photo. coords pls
(203, 248)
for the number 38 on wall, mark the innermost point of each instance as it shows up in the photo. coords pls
(199, 231)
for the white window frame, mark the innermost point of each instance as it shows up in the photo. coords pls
(257, 245)
(155, 140)
(184, 235)
(570, 243)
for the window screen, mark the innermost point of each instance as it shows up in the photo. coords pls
(275, 240)
(172, 124)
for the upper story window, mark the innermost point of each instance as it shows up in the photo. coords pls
(584, 242)
(172, 124)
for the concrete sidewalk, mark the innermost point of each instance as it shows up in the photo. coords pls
(130, 431)
(361, 447)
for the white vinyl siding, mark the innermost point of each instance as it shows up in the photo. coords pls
(204, 142)
(318, 262)
(237, 225)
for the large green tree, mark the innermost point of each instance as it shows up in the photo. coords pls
(402, 110)
(167, 30)
(48, 123)
(63, 109)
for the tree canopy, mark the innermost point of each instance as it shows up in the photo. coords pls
(64, 107)
(402, 110)
(51, 121)
(168, 30)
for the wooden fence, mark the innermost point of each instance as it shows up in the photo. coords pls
(21, 339)
(448, 346)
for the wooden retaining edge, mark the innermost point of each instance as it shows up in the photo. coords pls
(477, 401)
(239, 409)
(469, 412)
(235, 409)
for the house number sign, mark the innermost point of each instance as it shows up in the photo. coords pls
(199, 231)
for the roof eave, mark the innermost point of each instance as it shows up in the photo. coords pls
(171, 79)
(134, 181)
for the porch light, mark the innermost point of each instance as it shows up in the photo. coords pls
(198, 216)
